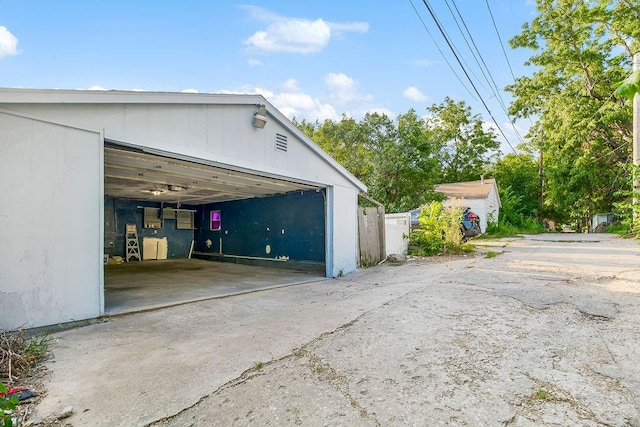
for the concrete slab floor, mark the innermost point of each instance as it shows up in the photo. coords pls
(138, 286)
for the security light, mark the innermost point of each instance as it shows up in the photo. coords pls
(260, 117)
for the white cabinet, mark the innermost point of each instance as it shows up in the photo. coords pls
(154, 248)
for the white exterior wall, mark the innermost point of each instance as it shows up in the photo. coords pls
(342, 230)
(50, 223)
(219, 133)
(396, 227)
(485, 208)
(479, 206)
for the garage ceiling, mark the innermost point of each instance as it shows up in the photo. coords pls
(134, 174)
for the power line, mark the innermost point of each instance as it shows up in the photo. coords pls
(455, 54)
(440, 50)
(481, 63)
(504, 52)
(477, 58)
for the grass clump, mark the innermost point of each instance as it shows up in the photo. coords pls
(620, 229)
(542, 394)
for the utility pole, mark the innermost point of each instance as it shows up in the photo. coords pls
(540, 188)
(636, 140)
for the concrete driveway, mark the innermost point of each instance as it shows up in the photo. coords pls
(546, 333)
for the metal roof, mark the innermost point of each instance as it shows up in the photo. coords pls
(467, 190)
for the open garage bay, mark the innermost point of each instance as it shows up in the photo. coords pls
(137, 286)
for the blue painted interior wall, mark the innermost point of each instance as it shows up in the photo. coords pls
(292, 225)
(119, 212)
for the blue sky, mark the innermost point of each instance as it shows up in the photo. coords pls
(314, 60)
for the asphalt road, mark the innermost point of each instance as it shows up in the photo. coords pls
(545, 333)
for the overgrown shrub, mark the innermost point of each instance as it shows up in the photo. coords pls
(439, 232)
(514, 217)
(629, 215)
(504, 228)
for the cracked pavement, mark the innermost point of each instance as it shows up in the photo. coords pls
(546, 333)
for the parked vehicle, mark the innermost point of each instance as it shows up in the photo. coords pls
(469, 223)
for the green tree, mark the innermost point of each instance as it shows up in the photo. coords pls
(517, 178)
(464, 147)
(401, 160)
(344, 141)
(582, 51)
(404, 164)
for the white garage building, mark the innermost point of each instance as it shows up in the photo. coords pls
(481, 196)
(220, 175)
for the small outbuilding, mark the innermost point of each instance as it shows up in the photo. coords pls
(228, 177)
(481, 196)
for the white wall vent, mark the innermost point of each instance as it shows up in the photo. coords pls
(281, 142)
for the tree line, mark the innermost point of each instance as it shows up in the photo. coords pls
(401, 159)
(581, 52)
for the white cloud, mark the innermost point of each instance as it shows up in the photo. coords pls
(422, 62)
(8, 43)
(491, 127)
(295, 35)
(303, 106)
(254, 62)
(414, 94)
(96, 87)
(339, 81)
(344, 90)
(290, 85)
(339, 28)
(260, 14)
(190, 91)
(343, 98)
(513, 132)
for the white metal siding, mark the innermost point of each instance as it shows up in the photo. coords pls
(219, 133)
(492, 207)
(343, 216)
(50, 223)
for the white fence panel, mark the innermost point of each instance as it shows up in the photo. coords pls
(396, 227)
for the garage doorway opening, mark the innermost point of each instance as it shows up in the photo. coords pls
(268, 231)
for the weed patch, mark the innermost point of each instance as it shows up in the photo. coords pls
(19, 355)
(439, 232)
(542, 394)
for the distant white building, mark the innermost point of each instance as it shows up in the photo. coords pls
(481, 196)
